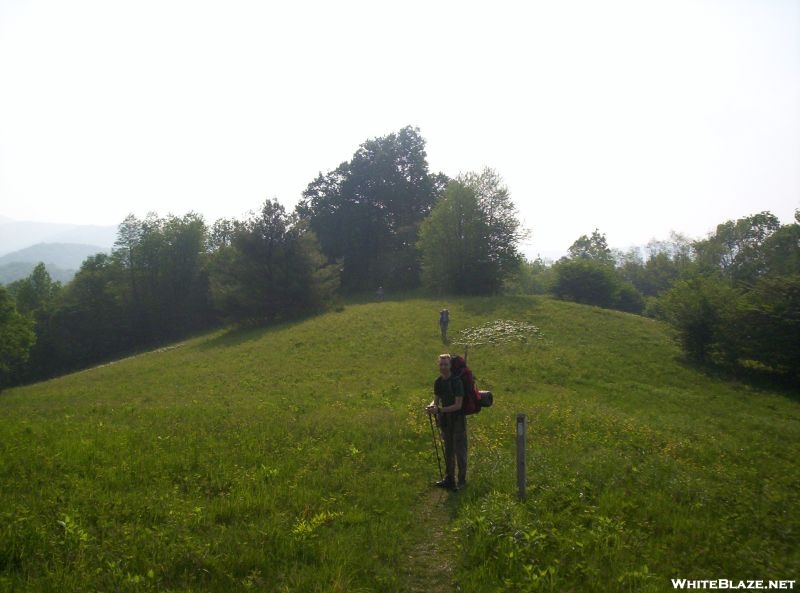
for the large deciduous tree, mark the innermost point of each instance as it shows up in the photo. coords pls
(767, 325)
(469, 243)
(92, 323)
(587, 275)
(701, 310)
(270, 267)
(366, 213)
(736, 249)
(37, 297)
(594, 248)
(37, 293)
(16, 339)
(165, 286)
(742, 302)
(504, 230)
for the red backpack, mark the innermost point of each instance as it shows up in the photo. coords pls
(474, 400)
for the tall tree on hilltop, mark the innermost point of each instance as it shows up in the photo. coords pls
(366, 213)
(504, 230)
(453, 243)
(469, 241)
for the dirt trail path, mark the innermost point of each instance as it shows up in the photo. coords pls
(428, 566)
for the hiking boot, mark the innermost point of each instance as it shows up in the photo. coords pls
(446, 483)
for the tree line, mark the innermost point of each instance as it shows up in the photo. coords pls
(383, 219)
(733, 298)
(380, 219)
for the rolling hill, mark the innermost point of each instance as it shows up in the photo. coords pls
(62, 260)
(298, 458)
(16, 235)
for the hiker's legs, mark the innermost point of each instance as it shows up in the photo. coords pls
(449, 452)
(460, 448)
(455, 448)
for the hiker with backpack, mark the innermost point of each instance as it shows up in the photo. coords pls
(448, 399)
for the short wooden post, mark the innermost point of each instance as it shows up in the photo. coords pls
(521, 471)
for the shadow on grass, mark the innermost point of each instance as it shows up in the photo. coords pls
(508, 305)
(248, 332)
(448, 502)
(784, 384)
(234, 336)
(365, 298)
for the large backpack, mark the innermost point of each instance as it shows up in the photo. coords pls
(474, 400)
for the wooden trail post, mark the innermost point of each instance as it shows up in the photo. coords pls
(521, 470)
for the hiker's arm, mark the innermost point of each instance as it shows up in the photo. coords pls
(431, 409)
(455, 407)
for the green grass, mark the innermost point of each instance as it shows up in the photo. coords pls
(298, 458)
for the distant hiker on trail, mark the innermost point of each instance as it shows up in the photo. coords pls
(444, 321)
(448, 397)
(379, 293)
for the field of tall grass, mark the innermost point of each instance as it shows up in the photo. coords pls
(298, 458)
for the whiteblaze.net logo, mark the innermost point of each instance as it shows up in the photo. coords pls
(730, 584)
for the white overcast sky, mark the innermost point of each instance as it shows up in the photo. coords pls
(636, 118)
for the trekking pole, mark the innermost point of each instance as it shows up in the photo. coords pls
(436, 448)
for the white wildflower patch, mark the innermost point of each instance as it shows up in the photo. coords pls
(498, 332)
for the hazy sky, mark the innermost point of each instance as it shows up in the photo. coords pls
(636, 118)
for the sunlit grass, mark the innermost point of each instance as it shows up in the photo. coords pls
(298, 459)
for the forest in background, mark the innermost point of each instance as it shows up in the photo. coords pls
(384, 220)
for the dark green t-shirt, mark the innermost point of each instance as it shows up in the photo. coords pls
(448, 390)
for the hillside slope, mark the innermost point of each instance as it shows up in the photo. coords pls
(298, 458)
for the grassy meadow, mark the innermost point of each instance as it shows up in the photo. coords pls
(298, 458)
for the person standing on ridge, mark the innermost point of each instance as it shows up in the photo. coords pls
(448, 397)
(444, 321)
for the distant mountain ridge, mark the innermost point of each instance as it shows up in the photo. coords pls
(64, 255)
(18, 270)
(18, 235)
(62, 260)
